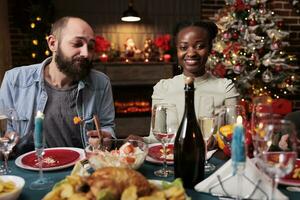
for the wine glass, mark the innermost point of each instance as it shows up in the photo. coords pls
(227, 117)
(208, 127)
(164, 125)
(9, 130)
(261, 111)
(42, 182)
(207, 122)
(277, 149)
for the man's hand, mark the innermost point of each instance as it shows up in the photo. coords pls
(94, 139)
(134, 137)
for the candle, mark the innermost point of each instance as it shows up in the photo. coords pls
(104, 57)
(38, 130)
(167, 57)
(238, 154)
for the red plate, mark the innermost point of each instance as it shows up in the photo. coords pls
(289, 180)
(54, 158)
(156, 151)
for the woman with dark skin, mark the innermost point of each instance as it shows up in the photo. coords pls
(193, 42)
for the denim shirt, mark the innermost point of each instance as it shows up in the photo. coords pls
(24, 90)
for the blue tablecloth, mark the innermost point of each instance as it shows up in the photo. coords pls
(147, 170)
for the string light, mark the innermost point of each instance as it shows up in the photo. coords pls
(35, 42)
(38, 19)
(47, 52)
(33, 55)
(32, 25)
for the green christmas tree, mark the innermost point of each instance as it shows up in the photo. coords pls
(249, 49)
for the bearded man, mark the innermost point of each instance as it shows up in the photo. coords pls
(62, 87)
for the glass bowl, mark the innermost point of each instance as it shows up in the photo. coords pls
(118, 153)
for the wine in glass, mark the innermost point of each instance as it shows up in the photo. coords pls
(208, 127)
(207, 124)
(9, 130)
(42, 182)
(164, 125)
(277, 149)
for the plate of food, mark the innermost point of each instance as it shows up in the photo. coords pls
(53, 159)
(156, 153)
(294, 177)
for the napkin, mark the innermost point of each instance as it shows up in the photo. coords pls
(245, 187)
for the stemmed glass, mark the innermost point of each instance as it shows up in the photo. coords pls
(42, 182)
(208, 124)
(164, 125)
(276, 149)
(9, 129)
(227, 117)
(208, 127)
(261, 111)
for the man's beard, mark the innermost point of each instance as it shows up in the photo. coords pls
(75, 68)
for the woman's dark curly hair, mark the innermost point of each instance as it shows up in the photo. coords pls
(210, 26)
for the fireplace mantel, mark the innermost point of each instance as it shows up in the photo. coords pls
(135, 73)
(134, 81)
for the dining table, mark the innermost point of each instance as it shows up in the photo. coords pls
(146, 169)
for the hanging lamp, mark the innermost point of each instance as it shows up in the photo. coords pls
(130, 15)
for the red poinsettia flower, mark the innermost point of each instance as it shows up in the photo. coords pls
(163, 42)
(101, 44)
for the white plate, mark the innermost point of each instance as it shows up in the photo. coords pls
(156, 161)
(20, 164)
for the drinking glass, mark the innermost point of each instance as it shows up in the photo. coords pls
(164, 125)
(95, 141)
(207, 122)
(9, 130)
(42, 182)
(208, 127)
(261, 112)
(277, 149)
(227, 117)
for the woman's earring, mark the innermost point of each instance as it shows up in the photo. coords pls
(179, 67)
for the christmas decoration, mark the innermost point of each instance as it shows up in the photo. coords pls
(162, 42)
(249, 49)
(102, 46)
(37, 17)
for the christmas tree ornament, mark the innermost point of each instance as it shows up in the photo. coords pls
(278, 67)
(280, 23)
(267, 76)
(235, 35)
(252, 22)
(238, 68)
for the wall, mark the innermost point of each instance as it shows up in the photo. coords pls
(5, 55)
(158, 17)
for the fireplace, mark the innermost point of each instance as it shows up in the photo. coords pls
(132, 85)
